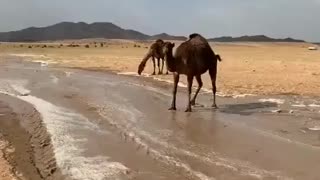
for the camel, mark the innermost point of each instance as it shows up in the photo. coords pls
(192, 58)
(155, 51)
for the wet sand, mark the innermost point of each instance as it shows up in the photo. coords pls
(29, 151)
(100, 125)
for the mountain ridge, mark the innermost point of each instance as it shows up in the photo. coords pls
(108, 30)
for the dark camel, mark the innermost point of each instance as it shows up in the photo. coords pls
(155, 51)
(193, 58)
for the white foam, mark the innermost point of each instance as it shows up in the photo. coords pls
(59, 123)
(242, 95)
(314, 105)
(271, 100)
(68, 74)
(28, 55)
(54, 79)
(180, 84)
(316, 128)
(299, 105)
(133, 74)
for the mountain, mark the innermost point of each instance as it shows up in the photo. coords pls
(69, 30)
(258, 38)
(81, 30)
(168, 37)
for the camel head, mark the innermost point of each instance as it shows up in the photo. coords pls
(168, 48)
(141, 67)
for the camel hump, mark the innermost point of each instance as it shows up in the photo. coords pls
(191, 36)
(159, 41)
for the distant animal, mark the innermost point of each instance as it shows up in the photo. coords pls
(155, 52)
(192, 58)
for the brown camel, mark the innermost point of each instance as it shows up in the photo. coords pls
(193, 58)
(155, 51)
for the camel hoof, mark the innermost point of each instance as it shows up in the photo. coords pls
(167, 73)
(159, 72)
(153, 73)
(193, 102)
(188, 110)
(173, 109)
(214, 106)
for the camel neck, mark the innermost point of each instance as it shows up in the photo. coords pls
(170, 60)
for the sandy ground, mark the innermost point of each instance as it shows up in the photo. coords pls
(5, 168)
(247, 68)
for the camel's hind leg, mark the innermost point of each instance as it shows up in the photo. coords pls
(174, 92)
(190, 81)
(154, 66)
(213, 76)
(162, 65)
(198, 78)
(164, 62)
(159, 65)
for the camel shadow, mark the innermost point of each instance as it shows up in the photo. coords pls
(247, 108)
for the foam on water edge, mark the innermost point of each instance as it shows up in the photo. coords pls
(272, 100)
(180, 84)
(59, 123)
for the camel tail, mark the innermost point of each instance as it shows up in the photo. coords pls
(218, 57)
(143, 63)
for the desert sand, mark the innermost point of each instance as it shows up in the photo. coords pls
(247, 68)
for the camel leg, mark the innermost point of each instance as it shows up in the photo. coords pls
(190, 81)
(164, 62)
(198, 78)
(159, 72)
(162, 66)
(213, 76)
(154, 66)
(176, 77)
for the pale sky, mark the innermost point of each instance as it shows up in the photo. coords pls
(212, 18)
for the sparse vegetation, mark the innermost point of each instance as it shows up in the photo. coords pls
(87, 46)
(73, 45)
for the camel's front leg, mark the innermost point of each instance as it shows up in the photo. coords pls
(174, 92)
(165, 61)
(213, 76)
(190, 80)
(159, 64)
(154, 66)
(162, 65)
(198, 78)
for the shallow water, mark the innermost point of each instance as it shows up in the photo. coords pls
(106, 126)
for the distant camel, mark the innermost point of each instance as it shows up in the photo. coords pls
(193, 58)
(155, 51)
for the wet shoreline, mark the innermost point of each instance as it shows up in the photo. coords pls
(32, 156)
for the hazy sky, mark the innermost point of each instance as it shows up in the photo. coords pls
(212, 18)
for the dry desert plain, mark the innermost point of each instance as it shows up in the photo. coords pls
(247, 68)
